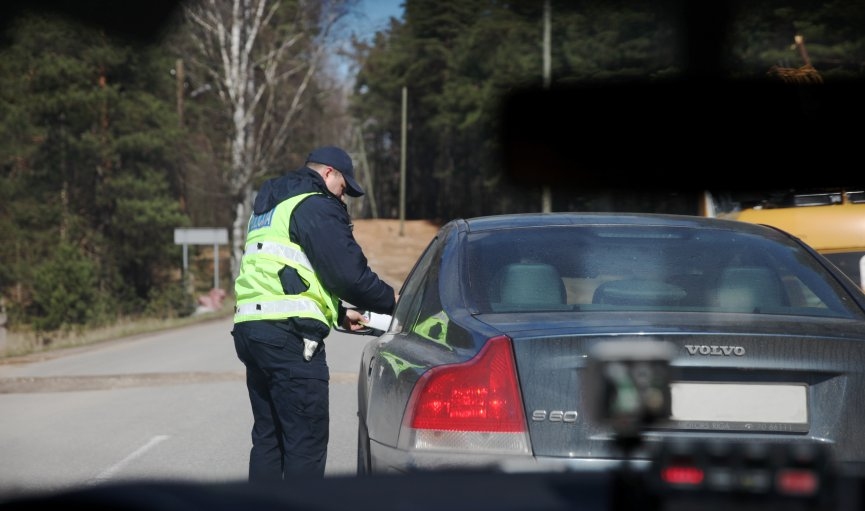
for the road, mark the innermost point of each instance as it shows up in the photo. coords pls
(163, 406)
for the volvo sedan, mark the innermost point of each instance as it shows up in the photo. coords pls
(573, 340)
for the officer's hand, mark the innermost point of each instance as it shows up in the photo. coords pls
(352, 320)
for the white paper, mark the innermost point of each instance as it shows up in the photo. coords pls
(377, 321)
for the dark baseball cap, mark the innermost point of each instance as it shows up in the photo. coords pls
(335, 157)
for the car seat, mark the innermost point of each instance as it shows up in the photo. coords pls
(532, 284)
(749, 288)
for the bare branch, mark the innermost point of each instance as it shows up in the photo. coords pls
(262, 57)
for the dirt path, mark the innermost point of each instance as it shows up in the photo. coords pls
(390, 254)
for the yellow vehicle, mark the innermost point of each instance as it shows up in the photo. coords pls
(831, 222)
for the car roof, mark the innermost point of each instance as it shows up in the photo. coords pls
(493, 222)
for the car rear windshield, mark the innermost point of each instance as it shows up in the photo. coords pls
(610, 268)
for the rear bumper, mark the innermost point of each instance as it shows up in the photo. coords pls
(389, 460)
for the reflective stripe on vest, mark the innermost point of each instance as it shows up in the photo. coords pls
(276, 249)
(281, 306)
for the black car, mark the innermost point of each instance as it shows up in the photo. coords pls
(492, 356)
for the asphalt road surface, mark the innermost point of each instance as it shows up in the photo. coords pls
(165, 406)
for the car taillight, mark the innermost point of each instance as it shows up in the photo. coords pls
(682, 475)
(802, 482)
(475, 405)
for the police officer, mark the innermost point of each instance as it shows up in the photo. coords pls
(301, 262)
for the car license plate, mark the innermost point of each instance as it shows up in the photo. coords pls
(739, 407)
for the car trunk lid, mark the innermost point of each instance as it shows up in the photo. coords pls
(740, 382)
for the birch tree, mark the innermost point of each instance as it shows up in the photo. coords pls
(262, 58)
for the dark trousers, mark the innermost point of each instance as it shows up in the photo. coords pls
(289, 398)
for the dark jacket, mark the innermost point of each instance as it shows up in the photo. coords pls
(322, 227)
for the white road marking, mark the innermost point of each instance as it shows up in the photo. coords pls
(109, 472)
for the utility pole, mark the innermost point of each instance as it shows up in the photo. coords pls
(546, 193)
(178, 74)
(402, 162)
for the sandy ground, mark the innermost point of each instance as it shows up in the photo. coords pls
(392, 247)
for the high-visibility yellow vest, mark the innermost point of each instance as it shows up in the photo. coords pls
(269, 249)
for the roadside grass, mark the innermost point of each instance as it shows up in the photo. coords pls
(23, 343)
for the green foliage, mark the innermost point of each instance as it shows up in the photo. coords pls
(169, 301)
(141, 226)
(65, 292)
(88, 159)
(762, 36)
(458, 59)
(97, 169)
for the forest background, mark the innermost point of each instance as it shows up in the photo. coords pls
(110, 140)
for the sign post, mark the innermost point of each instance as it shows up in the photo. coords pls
(201, 236)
